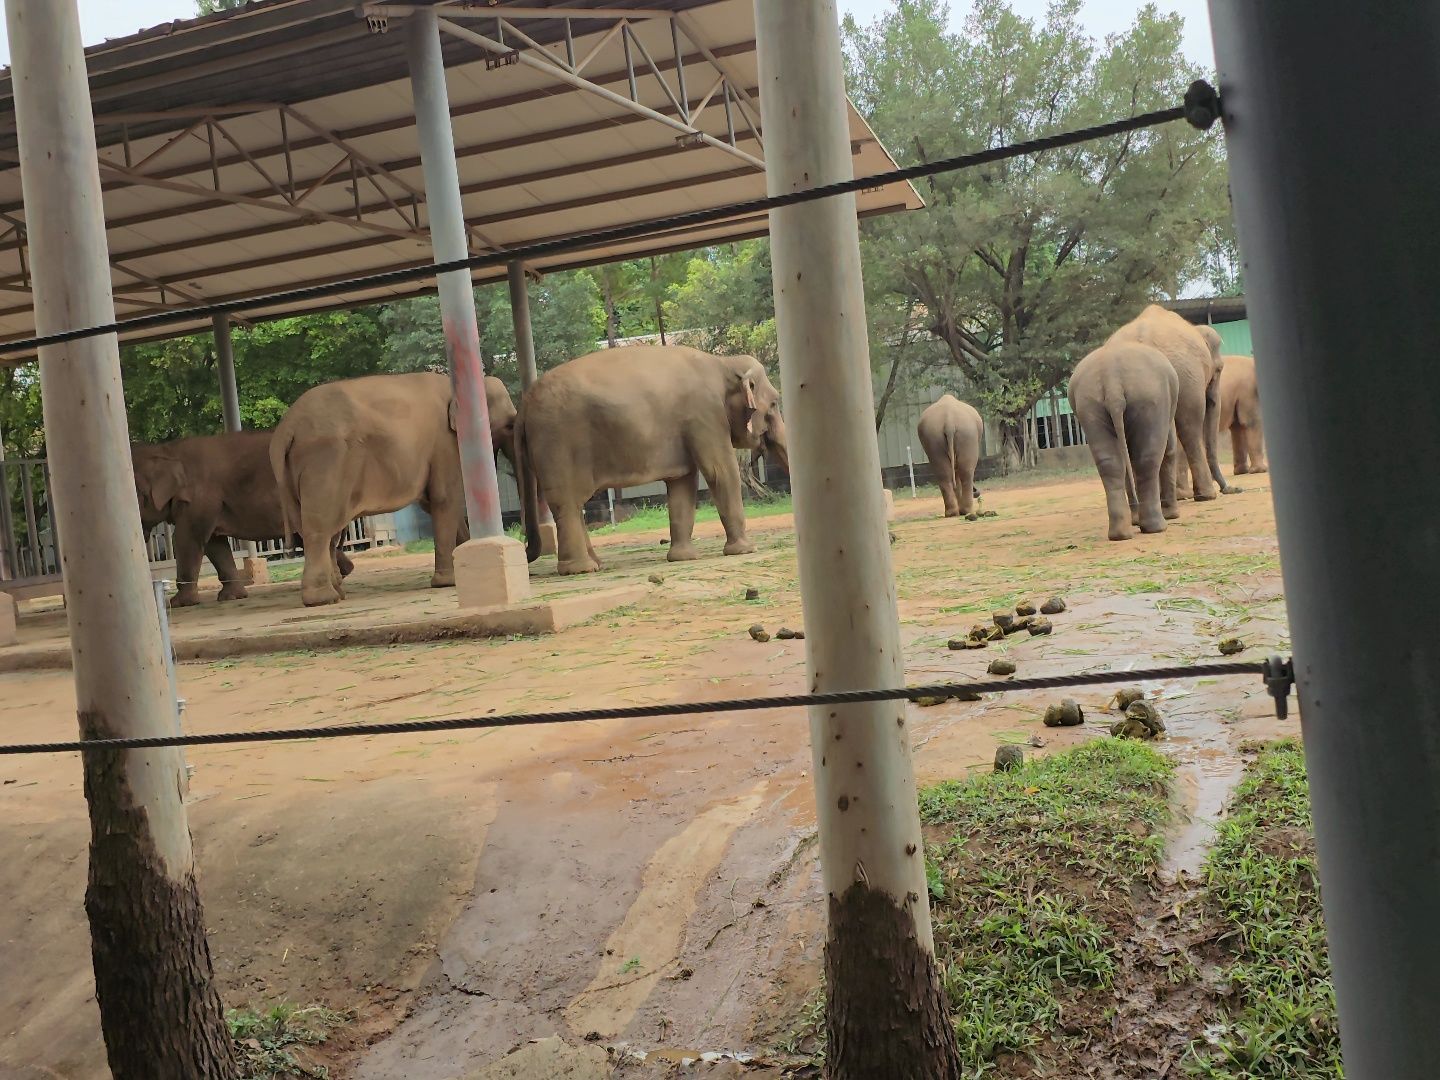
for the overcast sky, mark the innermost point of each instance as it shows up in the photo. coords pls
(101, 19)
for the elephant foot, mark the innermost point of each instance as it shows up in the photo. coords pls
(1122, 532)
(185, 598)
(233, 592)
(1202, 496)
(682, 552)
(319, 597)
(951, 513)
(1170, 513)
(1259, 468)
(1152, 525)
(1241, 470)
(739, 547)
(442, 579)
(586, 565)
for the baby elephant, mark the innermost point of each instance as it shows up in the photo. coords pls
(1124, 394)
(951, 432)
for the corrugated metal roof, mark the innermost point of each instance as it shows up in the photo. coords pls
(274, 146)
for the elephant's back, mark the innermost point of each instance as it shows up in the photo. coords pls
(370, 402)
(1132, 371)
(615, 382)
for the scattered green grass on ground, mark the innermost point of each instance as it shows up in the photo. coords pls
(1261, 881)
(657, 516)
(265, 1041)
(1035, 865)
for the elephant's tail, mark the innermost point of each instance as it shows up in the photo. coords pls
(280, 443)
(526, 482)
(1117, 420)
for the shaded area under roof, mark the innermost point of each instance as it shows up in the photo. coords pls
(274, 146)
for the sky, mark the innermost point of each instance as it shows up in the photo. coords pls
(101, 19)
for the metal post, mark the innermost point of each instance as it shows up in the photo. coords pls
(457, 300)
(910, 464)
(162, 607)
(871, 849)
(610, 498)
(1323, 242)
(525, 353)
(160, 1013)
(230, 407)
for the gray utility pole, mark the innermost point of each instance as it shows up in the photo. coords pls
(886, 1015)
(159, 1011)
(457, 298)
(1334, 171)
(255, 567)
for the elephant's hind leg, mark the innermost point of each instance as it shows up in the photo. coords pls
(232, 584)
(1110, 464)
(1255, 447)
(571, 538)
(1238, 449)
(681, 494)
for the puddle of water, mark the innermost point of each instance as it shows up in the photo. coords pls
(1206, 771)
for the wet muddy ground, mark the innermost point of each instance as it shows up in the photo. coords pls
(646, 883)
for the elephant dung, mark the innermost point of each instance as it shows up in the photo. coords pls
(1125, 697)
(1141, 721)
(1054, 606)
(752, 593)
(1022, 623)
(1231, 645)
(967, 643)
(1025, 607)
(1004, 620)
(1001, 667)
(1067, 714)
(929, 701)
(972, 517)
(786, 634)
(759, 633)
(1040, 626)
(893, 538)
(965, 694)
(1008, 757)
(657, 579)
(1036, 740)
(989, 513)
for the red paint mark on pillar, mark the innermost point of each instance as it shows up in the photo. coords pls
(477, 459)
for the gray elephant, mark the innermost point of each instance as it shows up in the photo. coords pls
(1194, 352)
(629, 416)
(211, 488)
(1240, 414)
(951, 433)
(369, 446)
(1125, 394)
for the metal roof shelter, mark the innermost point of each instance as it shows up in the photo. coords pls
(276, 145)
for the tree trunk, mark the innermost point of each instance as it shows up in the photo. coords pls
(612, 322)
(659, 300)
(889, 390)
(887, 1013)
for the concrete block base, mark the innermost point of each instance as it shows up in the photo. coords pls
(889, 504)
(8, 635)
(548, 543)
(256, 571)
(491, 572)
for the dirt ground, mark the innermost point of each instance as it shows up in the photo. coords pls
(649, 883)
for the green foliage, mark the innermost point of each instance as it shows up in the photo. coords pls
(1022, 267)
(725, 299)
(1262, 882)
(264, 1040)
(209, 7)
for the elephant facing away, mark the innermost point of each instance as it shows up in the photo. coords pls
(629, 416)
(1194, 352)
(372, 445)
(951, 433)
(1125, 395)
(1240, 414)
(210, 488)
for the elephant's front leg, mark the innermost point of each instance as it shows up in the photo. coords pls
(724, 481)
(681, 494)
(189, 549)
(1212, 444)
(1238, 449)
(232, 584)
(1255, 448)
(445, 516)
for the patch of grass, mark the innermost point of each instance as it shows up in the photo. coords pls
(265, 1039)
(633, 964)
(423, 546)
(1261, 881)
(645, 518)
(1037, 870)
(288, 571)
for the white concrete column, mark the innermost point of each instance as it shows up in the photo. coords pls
(871, 849)
(490, 568)
(159, 1011)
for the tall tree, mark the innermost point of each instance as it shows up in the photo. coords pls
(1024, 266)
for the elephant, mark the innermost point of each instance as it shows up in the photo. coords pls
(1194, 352)
(1240, 414)
(1125, 395)
(371, 445)
(211, 487)
(951, 433)
(628, 416)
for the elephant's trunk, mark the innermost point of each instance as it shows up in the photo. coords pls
(774, 442)
(526, 481)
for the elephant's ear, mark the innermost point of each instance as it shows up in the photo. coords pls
(749, 382)
(454, 415)
(167, 483)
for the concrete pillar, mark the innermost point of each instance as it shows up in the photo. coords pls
(484, 565)
(1334, 179)
(871, 849)
(525, 353)
(255, 569)
(9, 634)
(159, 1011)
